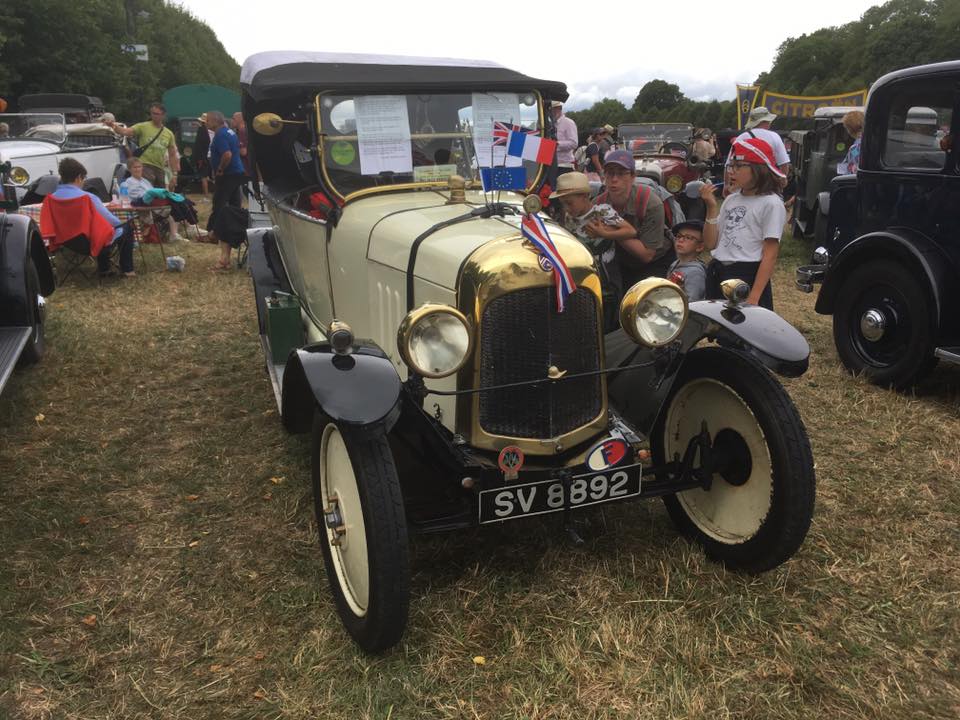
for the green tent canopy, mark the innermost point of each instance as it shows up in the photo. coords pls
(188, 101)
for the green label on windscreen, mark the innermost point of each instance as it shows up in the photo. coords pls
(342, 153)
(841, 146)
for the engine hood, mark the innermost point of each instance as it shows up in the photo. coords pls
(14, 149)
(442, 254)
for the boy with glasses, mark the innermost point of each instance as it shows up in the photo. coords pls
(688, 271)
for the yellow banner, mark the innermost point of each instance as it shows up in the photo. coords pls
(804, 107)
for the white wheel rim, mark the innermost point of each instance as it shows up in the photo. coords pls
(338, 485)
(729, 514)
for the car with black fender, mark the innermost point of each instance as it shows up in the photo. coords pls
(814, 156)
(26, 279)
(444, 345)
(890, 269)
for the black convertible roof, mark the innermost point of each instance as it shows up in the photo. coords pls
(60, 102)
(271, 75)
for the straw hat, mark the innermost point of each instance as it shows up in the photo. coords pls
(203, 118)
(571, 183)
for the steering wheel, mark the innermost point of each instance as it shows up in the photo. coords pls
(674, 148)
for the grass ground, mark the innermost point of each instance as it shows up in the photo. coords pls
(160, 558)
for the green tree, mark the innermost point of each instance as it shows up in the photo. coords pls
(658, 95)
(69, 46)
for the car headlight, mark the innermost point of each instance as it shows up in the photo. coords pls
(653, 312)
(435, 340)
(674, 183)
(19, 176)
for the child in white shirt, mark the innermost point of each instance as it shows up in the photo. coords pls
(743, 234)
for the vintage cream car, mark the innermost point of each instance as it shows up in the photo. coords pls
(413, 330)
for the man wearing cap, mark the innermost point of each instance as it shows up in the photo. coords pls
(651, 252)
(758, 126)
(566, 137)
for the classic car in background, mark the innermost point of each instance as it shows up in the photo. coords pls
(663, 152)
(185, 104)
(26, 278)
(411, 325)
(34, 144)
(890, 267)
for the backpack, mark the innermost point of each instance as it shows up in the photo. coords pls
(580, 158)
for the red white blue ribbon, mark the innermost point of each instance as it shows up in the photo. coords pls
(535, 231)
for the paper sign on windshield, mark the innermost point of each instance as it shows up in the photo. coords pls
(487, 108)
(383, 134)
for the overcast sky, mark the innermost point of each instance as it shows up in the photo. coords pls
(596, 49)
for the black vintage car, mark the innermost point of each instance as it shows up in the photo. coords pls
(891, 265)
(26, 276)
(814, 156)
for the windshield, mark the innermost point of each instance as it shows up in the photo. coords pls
(648, 137)
(380, 140)
(32, 126)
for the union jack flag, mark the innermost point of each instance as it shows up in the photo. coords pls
(502, 130)
(535, 231)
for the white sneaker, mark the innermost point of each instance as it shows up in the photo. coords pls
(175, 238)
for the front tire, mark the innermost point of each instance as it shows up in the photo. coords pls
(760, 502)
(363, 532)
(882, 325)
(37, 344)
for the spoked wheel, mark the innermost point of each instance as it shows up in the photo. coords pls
(882, 325)
(36, 312)
(758, 508)
(363, 532)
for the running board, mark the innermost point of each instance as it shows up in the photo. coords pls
(948, 354)
(275, 372)
(12, 342)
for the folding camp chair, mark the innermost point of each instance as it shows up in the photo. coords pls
(74, 255)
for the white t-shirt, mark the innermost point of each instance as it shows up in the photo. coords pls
(136, 189)
(744, 222)
(780, 153)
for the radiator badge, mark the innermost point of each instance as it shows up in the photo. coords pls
(510, 461)
(607, 453)
(545, 264)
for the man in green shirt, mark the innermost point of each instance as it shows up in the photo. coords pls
(154, 141)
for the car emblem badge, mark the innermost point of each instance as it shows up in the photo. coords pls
(607, 453)
(545, 264)
(510, 461)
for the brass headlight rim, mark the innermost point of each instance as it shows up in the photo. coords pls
(18, 170)
(415, 316)
(631, 301)
(678, 184)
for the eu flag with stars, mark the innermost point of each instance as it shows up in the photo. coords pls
(503, 178)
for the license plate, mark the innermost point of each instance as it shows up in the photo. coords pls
(549, 496)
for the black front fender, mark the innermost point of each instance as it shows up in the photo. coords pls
(357, 389)
(754, 330)
(20, 239)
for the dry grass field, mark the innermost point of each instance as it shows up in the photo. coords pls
(160, 560)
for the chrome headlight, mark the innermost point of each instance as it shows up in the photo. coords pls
(435, 340)
(653, 312)
(19, 176)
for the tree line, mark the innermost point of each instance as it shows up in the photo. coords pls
(77, 47)
(833, 60)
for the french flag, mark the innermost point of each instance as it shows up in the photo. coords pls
(531, 147)
(533, 229)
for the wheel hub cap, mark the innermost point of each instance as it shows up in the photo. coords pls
(872, 325)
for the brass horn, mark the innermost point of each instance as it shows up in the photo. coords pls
(271, 123)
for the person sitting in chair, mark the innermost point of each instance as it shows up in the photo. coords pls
(72, 175)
